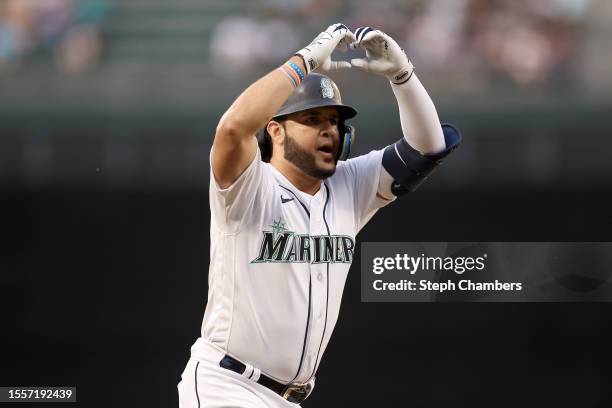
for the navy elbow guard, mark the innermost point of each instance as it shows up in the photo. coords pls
(409, 168)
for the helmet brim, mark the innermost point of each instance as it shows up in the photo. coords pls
(345, 111)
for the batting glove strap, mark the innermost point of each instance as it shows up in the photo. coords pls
(403, 75)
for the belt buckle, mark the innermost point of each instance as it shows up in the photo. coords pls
(297, 393)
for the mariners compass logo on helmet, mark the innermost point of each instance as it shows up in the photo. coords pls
(327, 89)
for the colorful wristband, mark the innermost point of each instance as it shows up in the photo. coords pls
(294, 74)
(297, 69)
(289, 76)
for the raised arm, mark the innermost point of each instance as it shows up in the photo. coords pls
(235, 143)
(408, 162)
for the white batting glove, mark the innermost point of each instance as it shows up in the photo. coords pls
(317, 54)
(383, 56)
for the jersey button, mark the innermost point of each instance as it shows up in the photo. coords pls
(320, 276)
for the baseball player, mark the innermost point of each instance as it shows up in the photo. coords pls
(286, 205)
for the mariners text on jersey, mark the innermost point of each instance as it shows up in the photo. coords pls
(280, 245)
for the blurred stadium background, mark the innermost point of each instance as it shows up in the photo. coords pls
(107, 114)
(127, 93)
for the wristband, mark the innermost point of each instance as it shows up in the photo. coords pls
(297, 69)
(292, 78)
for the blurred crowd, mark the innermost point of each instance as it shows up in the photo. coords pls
(527, 42)
(468, 44)
(68, 29)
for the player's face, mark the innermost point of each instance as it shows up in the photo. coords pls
(312, 141)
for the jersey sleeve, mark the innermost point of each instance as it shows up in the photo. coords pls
(364, 172)
(229, 206)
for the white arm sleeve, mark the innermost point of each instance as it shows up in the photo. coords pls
(420, 125)
(420, 122)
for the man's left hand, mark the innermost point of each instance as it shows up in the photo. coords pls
(383, 55)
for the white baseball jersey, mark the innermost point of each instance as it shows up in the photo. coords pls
(279, 261)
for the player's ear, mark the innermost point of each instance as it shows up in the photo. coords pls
(276, 132)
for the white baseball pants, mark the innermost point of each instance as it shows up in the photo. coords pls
(204, 384)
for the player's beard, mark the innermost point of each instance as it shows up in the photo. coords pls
(304, 160)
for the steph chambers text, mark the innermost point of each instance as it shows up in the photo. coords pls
(462, 285)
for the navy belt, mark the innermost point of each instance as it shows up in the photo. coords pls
(295, 393)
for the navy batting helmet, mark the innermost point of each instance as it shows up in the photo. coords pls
(315, 91)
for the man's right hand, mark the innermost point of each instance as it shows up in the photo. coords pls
(317, 54)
